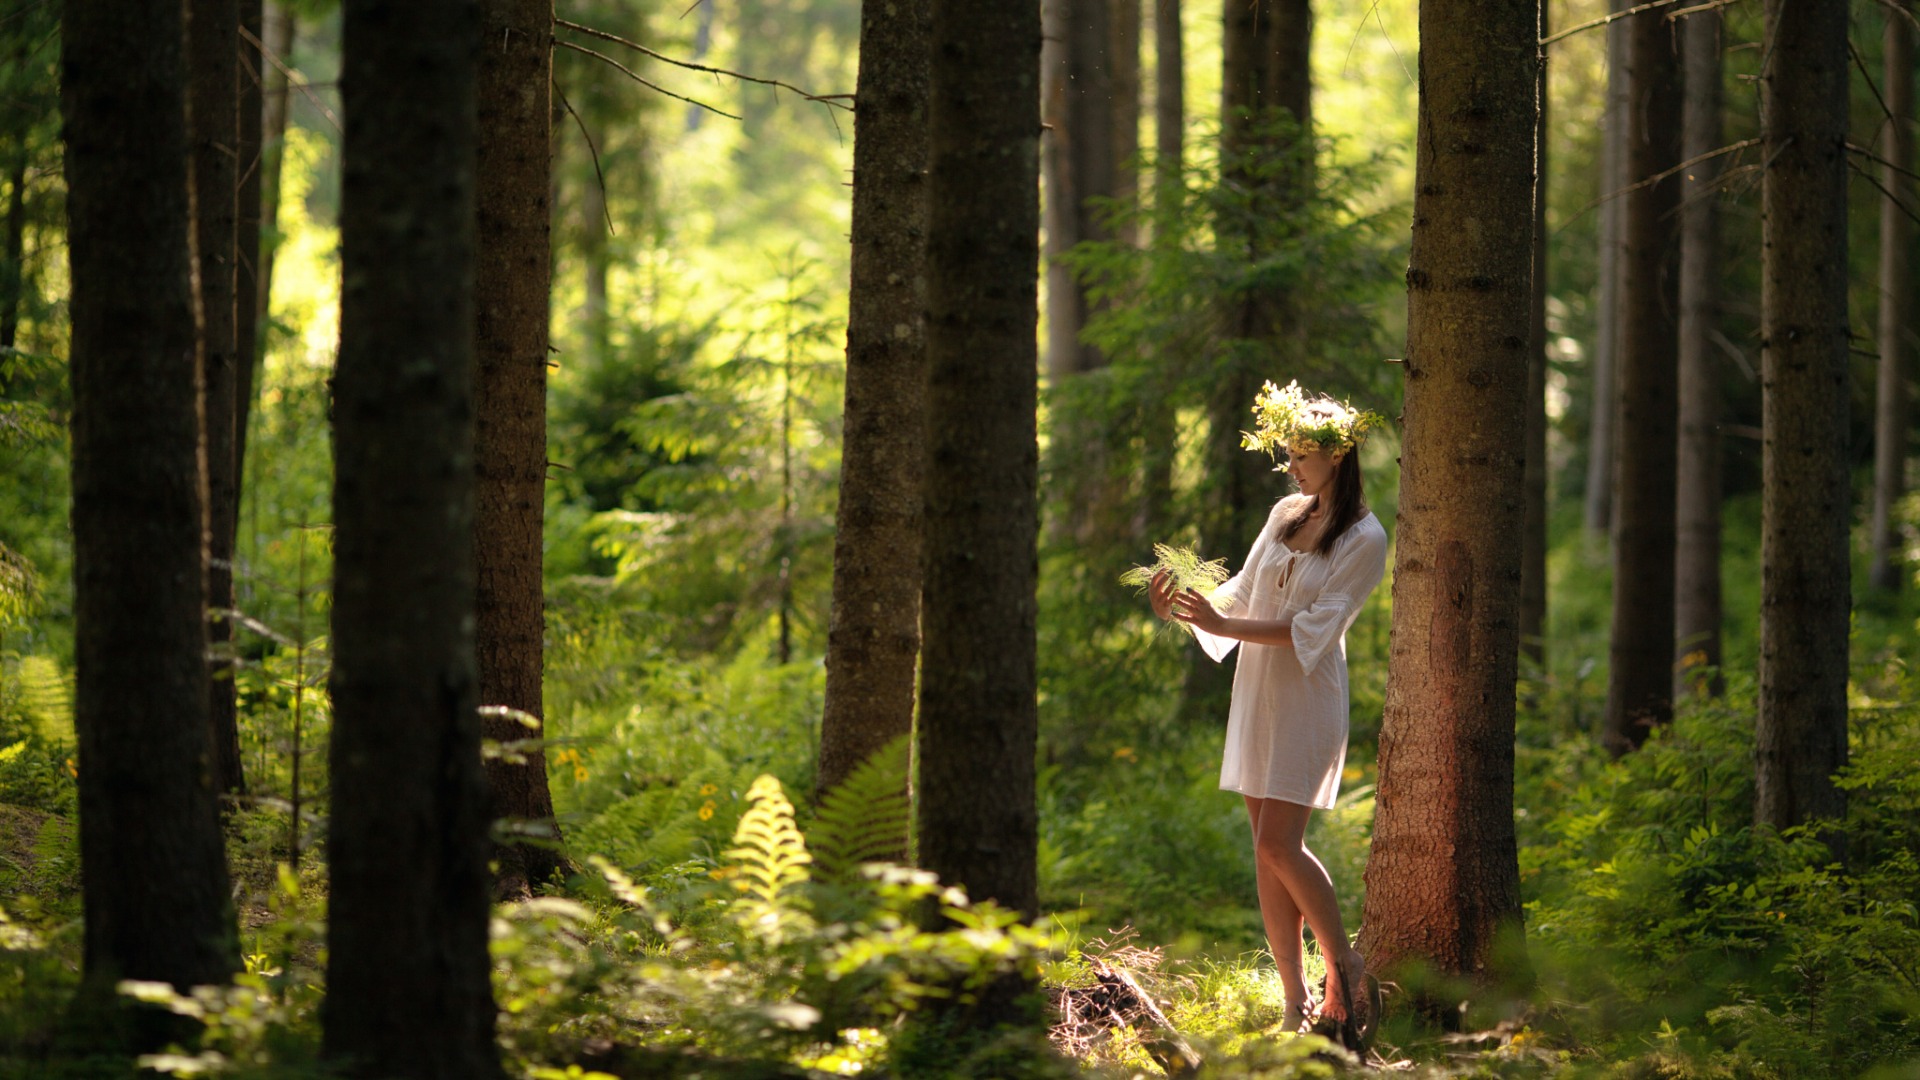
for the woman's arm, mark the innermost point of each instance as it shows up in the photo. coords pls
(1195, 610)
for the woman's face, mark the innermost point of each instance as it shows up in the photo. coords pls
(1313, 471)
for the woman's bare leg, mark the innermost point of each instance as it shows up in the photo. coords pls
(1280, 854)
(1283, 921)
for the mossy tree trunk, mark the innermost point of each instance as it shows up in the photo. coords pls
(156, 901)
(213, 53)
(1696, 563)
(512, 268)
(978, 713)
(1800, 740)
(1891, 420)
(1443, 879)
(407, 972)
(873, 640)
(1640, 672)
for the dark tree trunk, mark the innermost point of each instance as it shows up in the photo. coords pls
(1533, 540)
(13, 276)
(512, 268)
(873, 642)
(977, 818)
(1158, 440)
(1890, 419)
(1080, 165)
(1696, 562)
(1124, 60)
(212, 46)
(1640, 679)
(280, 27)
(1265, 72)
(1801, 737)
(246, 298)
(1606, 337)
(408, 990)
(1443, 879)
(156, 891)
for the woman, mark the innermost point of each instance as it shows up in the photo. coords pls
(1316, 560)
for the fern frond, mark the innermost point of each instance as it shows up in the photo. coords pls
(866, 818)
(770, 861)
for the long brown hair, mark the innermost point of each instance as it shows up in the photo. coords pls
(1347, 503)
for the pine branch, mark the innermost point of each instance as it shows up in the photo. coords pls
(635, 76)
(825, 99)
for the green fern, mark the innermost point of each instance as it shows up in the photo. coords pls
(770, 863)
(865, 818)
(1187, 571)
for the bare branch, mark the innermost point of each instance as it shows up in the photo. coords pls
(1595, 24)
(293, 81)
(827, 99)
(631, 74)
(592, 152)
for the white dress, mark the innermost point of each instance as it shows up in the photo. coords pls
(1287, 728)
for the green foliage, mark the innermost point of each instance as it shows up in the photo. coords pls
(867, 818)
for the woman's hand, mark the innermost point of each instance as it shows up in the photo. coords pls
(1160, 594)
(1198, 612)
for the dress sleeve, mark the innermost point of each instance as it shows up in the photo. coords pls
(1358, 566)
(1227, 596)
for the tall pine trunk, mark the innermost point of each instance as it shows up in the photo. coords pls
(1080, 160)
(279, 29)
(873, 640)
(1443, 879)
(1123, 57)
(248, 100)
(978, 716)
(1640, 676)
(1801, 737)
(1266, 72)
(408, 991)
(512, 269)
(1896, 287)
(156, 901)
(1533, 537)
(1606, 337)
(1158, 440)
(1696, 564)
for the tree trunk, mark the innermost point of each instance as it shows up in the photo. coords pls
(408, 992)
(1696, 564)
(512, 268)
(1533, 542)
(1801, 737)
(1081, 166)
(13, 275)
(977, 818)
(1640, 679)
(156, 891)
(1123, 53)
(873, 642)
(1158, 439)
(1896, 288)
(1265, 72)
(1606, 344)
(280, 28)
(247, 262)
(1443, 879)
(212, 47)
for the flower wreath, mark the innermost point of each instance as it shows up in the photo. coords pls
(1287, 419)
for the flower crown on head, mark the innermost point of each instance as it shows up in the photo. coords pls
(1287, 419)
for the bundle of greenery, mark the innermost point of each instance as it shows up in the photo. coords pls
(1186, 569)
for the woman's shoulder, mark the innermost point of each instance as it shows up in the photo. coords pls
(1367, 532)
(1287, 505)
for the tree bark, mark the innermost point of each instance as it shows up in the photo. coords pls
(1080, 165)
(1533, 542)
(1123, 53)
(156, 891)
(1443, 879)
(978, 722)
(512, 269)
(1890, 419)
(13, 275)
(1696, 565)
(246, 299)
(280, 27)
(1640, 679)
(213, 53)
(1266, 50)
(408, 971)
(1801, 737)
(873, 640)
(1606, 344)
(1158, 439)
